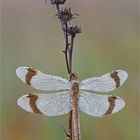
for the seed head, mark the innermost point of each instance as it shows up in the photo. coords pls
(65, 15)
(56, 2)
(73, 30)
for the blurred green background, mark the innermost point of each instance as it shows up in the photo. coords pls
(32, 36)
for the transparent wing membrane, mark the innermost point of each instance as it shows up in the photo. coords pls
(39, 80)
(106, 82)
(100, 105)
(46, 104)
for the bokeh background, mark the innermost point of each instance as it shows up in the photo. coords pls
(32, 36)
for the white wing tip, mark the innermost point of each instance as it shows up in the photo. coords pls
(23, 102)
(21, 73)
(115, 104)
(28, 103)
(20, 70)
(123, 75)
(119, 104)
(26, 73)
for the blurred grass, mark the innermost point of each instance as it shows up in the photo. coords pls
(31, 36)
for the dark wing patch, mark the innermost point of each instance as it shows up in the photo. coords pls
(31, 72)
(111, 100)
(116, 78)
(33, 98)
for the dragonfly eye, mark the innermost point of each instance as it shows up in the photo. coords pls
(73, 76)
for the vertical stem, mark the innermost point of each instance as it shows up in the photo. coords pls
(71, 51)
(57, 7)
(69, 67)
(67, 47)
(70, 125)
(68, 57)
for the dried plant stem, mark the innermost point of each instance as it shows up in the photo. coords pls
(70, 125)
(71, 52)
(68, 58)
(67, 49)
(68, 52)
(65, 16)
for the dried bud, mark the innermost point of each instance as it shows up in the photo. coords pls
(65, 15)
(73, 30)
(56, 2)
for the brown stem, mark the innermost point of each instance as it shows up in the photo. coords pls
(57, 7)
(68, 52)
(71, 51)
(67, 48)
(70, 125)
(68, 57)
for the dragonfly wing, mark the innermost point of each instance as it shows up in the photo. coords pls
(100, 105)
(39, 80)
(106, 82)
(46, 104)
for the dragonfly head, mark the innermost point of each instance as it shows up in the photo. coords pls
(73, 76)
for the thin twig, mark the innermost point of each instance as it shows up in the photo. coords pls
(67, 48)
(57, 7)
(70, 125)
(69, 65)
(71, 52)
(65, 15)
(69, 68)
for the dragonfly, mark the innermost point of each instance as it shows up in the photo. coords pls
(71, 95)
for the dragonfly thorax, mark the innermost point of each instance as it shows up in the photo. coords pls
(75, 86)
(74, 83)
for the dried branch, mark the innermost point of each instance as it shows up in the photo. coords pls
(67, 48)
(65, 16)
